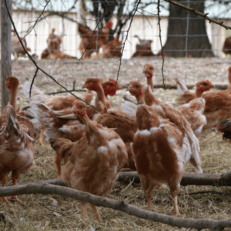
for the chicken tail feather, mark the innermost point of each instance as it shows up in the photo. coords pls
(61, 146)
(11, 126)
(181, 86)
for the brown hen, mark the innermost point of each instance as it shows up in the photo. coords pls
(17, 136)
(186, 96)
(93, 162)
(160, 149)
(55, 103)
(167, 111)
(91, 41)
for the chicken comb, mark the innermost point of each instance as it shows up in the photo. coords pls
(109, 24)
(114, 81)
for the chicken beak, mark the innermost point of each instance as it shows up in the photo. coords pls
(129, 88)
(118, 87)
(84, 86)
(212, 86)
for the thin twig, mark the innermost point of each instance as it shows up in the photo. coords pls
(55, 211)
(198, 13)
(60, 92)
(92, 36)
(126, 39)
(37, 20)
(162, 68)
(35, 74)
(38, 68)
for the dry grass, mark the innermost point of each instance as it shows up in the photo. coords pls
(215, 157)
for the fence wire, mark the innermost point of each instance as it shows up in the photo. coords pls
(144, 25)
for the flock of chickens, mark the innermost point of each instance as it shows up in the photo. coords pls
(91, 41)
(95, 143)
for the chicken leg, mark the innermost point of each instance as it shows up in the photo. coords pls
(4, 180)
(174, 190)
(94, 208)
(58, 164)
(84, 209)
(14, 180)
(176, 210)
(40, 140)
(149, 199)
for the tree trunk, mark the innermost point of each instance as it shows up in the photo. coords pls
(198, 44)
(5, 51)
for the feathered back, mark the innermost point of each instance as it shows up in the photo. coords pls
(146, 117)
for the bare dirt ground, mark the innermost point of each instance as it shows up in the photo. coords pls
(38, 211)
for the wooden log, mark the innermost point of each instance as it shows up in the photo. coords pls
(34, 188)
(188, 178)
(5, 51)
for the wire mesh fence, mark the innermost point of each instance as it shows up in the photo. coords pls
(141, 38)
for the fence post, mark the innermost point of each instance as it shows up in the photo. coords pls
(5, 51)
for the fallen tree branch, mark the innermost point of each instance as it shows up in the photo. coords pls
(57, 181)
(205, 192)
(34, 188)
(188, 178)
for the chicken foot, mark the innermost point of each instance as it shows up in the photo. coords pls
(4, 180)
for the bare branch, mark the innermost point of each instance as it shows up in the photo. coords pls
(72, 7)
(198, 13)
(37, 67)
(126, 39)
(92, 36)
(189, 86)
(37, 20)
(34, 188)
(60, 92)
(35, 74)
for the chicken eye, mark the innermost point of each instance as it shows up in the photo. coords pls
(137, 86)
